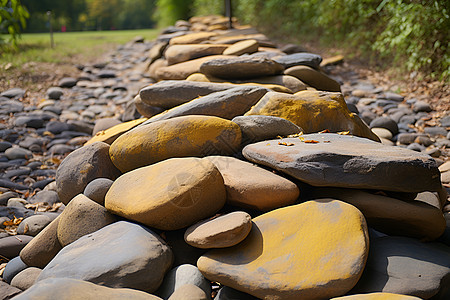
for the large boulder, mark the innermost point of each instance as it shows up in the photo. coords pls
(119, 255)
(313, 111)
(330, 159)
(169, 195)
(178, 137)
(314, 250)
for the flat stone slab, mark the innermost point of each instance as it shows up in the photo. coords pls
(240, 67)
(171, 93)
(225, 104)
(330, 159)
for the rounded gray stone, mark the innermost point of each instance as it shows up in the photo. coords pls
(97, 189)
(13, 267)
(180, 276)
(18, 153)
(54, 93)
(385, 122)
(33, 225)
(50, 197)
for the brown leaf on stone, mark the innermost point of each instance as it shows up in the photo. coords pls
(295, 135)
(344, 133)
(285, 144)
(311, 141)
(325, 131)
(25, 229)
(13, 222)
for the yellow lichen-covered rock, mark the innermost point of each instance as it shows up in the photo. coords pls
(313, 111)
(111, 134)
(169, 195)
(377, 296)
(313, 250)
(178, 137)
(192, 38)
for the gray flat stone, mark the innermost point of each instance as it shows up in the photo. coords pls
(305, 59)
(171, 93)
(241, 67)
(347, 161)
(225, 104)
(122, 254)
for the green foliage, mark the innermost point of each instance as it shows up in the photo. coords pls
(78, 15)
(13, 17)
(169, 11)
(413, 35)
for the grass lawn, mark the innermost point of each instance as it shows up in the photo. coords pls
(36, 62)
(88, 45)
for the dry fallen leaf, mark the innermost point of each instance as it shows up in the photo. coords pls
(13, 222)
(325, 131)
(311, 141)
(344, 133)
(285, 144)
(295, 135)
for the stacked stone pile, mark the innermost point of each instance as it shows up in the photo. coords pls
(237, 170)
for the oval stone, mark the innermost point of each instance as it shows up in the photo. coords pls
(178, 137)
(169, 195)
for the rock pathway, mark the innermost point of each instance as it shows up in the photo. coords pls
(211, 163)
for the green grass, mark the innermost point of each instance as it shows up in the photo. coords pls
(69, 47)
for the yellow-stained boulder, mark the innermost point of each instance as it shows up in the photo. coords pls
(313, 250)
(178, 137)
(169, 195)
(313, 111)
(377, 296)
(111, 134)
